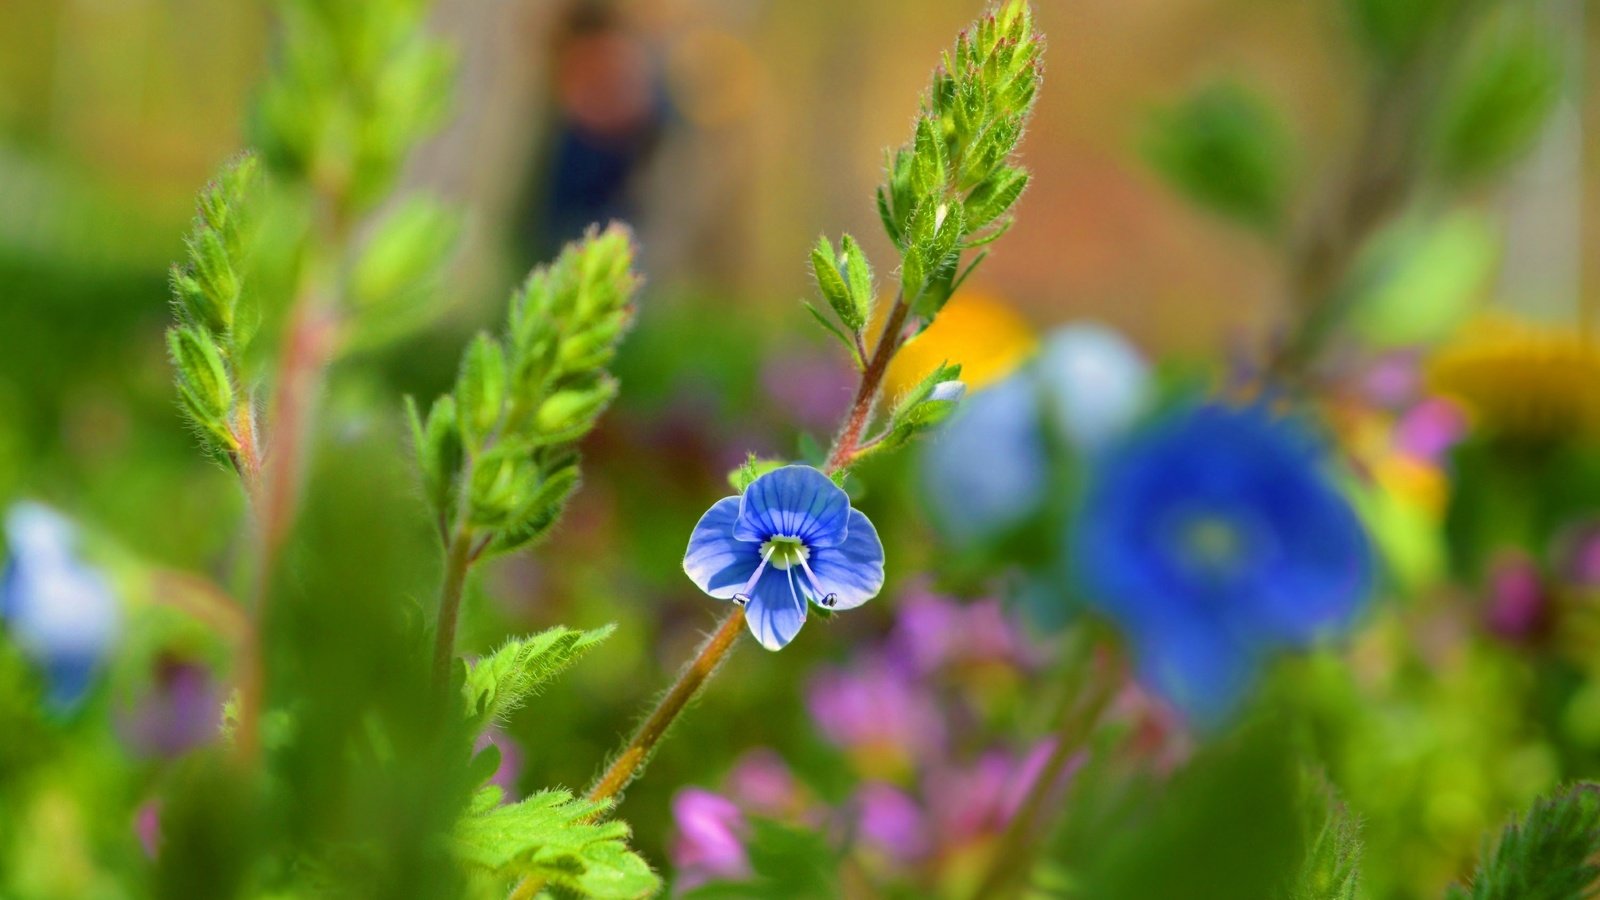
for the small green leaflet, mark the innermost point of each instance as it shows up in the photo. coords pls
(499, 683)
(551, 836)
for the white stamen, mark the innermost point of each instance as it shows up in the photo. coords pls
(826, 599)
(743, 596)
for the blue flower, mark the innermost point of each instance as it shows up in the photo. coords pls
(789, 540)
(58, 611)
(1212, 538)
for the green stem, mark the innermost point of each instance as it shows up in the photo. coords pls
(457, 562)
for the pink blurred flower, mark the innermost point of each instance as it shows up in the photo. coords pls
(1577, 556)
(505, 777)
(1518, 602)
(891, 822)
(875, 707)
(762, 783)
(932, 633)
(709, 844)
(147, 826)
(1427, 431)
(182, 710)
(814, 388)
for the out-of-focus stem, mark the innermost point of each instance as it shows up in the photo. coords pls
(307, 350)
(457, 562)
(1013, 854)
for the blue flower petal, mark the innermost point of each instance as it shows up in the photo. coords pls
(852, 571)
(716, 562)
(794, 501)
(776, 610)
(1197, 666)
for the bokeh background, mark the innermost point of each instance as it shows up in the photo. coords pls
(730, 133)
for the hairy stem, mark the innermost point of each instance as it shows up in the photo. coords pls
(626, 766)
(849, 440)
(457, 562)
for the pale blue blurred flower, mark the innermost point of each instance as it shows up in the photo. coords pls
(1095, 384)
(60, 612)
(987, 469)
(984, 470)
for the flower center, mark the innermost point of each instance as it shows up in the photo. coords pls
(1213, 544)
(786, 551)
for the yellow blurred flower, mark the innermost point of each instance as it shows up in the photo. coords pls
(1521, 379)
(978, 331)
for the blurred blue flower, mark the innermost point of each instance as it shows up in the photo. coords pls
(59, 611)
(1215, 536)
(987, 470)
(789, 539)
(984, 471)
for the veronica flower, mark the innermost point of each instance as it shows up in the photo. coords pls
(1212, 538)
(60, 612)
(791, 539)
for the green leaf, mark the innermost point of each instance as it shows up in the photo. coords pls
(542, 508)
(440, 453)
(481, 388)
(501, 682)
(1331, 869)
(833, 329)
(1498, 100)
(858, 272)
(1552, 854)
(552, 836)
(831, 283)
(209, 288)
(995, 196)
(1418, 280)
(400, 268)
(203, 383)
(1393, 30)
(1226, 150)
(753, 467)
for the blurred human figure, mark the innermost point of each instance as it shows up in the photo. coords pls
(608, 113)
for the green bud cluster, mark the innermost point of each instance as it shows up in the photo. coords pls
(952, 188)
(217, 314)
(498, 454)
(354, 86)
